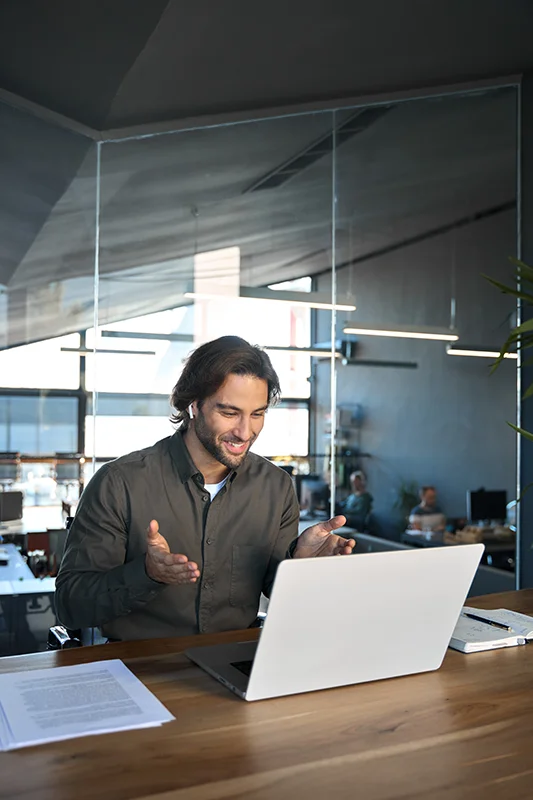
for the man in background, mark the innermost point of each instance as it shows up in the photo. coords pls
(427, 515)
(358, 505)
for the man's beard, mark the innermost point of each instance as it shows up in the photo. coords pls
(208, 440)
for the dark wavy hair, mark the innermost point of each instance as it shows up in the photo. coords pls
(209, 365)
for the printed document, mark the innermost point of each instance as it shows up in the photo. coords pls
(46, 705)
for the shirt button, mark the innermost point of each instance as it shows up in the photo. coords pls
(206, 584)
(209, 541)
(204, 497)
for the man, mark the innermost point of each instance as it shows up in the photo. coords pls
(182, 537)
(427, 516)
(357, 505)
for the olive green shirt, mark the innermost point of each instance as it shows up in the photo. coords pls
(237, 540)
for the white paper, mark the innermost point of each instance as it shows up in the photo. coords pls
(520, 623)
(47, 705)
(472, 636)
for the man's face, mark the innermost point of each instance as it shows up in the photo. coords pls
(229, 422)
(430, 498)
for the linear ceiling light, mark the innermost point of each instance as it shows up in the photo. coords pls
(477, 352)
(318, 352)
(86, 352)
(304, 299)
(404, 332)
(164, 337)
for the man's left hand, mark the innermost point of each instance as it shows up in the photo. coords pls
(318, 540)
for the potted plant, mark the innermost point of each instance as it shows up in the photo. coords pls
(521, 336)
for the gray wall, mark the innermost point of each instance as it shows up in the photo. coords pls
(445, 422)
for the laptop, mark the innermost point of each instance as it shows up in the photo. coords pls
(344, 620)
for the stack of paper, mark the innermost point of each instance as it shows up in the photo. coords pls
(47, 705)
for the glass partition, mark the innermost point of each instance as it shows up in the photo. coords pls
(425, 208)
(352, 244)
(205, 233)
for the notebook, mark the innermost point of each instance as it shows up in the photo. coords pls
(478, 629)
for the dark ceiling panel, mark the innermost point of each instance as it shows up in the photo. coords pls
(37, 164)
(71, 57)
(208, 58)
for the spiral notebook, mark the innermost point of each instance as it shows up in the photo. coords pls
(478, 629)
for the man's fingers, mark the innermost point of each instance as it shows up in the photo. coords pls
(332, 524)
(321, 528)
(153, 530)
(177, 573)
(345, 546)
(171, 559)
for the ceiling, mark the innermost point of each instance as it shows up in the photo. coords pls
(130, 62)
(419, 167)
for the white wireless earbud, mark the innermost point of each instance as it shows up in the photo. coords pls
(191, 415)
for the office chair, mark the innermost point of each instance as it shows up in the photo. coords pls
(60, 638)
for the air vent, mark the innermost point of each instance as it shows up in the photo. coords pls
(356, 123)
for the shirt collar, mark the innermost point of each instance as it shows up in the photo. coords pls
(186, 467)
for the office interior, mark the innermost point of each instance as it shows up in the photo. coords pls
(125, 249)
(168, 171)
(387, 216)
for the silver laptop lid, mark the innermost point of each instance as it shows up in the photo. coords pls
(349, 619)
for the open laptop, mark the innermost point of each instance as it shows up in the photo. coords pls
(343, 620)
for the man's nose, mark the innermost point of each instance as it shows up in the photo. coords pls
(243, 430)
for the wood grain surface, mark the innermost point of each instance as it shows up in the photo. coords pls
(465, 731)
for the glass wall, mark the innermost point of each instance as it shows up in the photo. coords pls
(200, 232)
(425, 209)
(322, 237)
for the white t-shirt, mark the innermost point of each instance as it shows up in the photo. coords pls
(214, 488)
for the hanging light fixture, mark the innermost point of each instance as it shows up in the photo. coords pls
(477, 352)
(303, 299)
(404, 332)
(317, 352)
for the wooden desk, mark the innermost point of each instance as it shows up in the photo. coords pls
(35, 519)
(464, 732)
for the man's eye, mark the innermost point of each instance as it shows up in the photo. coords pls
(259, 414)
(229, 414)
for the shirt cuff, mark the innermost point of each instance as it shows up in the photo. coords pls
(140, 584)
(291, 548)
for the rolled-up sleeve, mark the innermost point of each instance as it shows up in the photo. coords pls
(95, 584)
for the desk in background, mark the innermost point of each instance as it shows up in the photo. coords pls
(26, 604)
(499, 552)
(464, 731)
(35, 519)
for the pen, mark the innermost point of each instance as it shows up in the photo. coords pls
(488, 621)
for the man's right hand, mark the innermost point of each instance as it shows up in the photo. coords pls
(164, 566)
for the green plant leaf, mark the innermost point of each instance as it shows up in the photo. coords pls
(521, 431)
(524, 490)
(519, 293)
(528, 392)
(523, 272)
(525, 327)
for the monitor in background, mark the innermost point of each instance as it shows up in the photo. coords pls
(10, 506)
(482, 505)
(314, 494)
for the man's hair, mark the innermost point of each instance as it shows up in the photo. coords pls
(425, 489)
(358, 474)
(209, 365)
